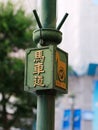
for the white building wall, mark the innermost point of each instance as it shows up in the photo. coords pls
(80, 32)
(88, 33)
(70, 28)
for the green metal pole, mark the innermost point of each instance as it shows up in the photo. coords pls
(46, 100)
(45, 112)
(48, 13)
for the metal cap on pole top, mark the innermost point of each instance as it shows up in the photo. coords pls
(48, 35)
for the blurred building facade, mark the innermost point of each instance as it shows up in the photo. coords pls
(82, 87)
(80, 32)
(88, 32)
(80, 41)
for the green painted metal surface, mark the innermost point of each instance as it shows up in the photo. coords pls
(46, 101)
(42, 69)
(49, 36)
(46, 69)
(45, 112)
(48, 13)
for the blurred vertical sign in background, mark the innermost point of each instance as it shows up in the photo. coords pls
(66, 120)
(95, 105)
(75, 121)
(46, 69)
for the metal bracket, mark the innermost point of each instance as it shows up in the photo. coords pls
(46, 35)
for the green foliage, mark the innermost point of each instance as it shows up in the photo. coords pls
(15, 33)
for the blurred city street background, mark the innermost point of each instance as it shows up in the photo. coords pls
(77, 110)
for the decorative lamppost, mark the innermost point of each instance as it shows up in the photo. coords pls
(46, 66)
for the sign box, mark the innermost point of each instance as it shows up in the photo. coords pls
(46, 68)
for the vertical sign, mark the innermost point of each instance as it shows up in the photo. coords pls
(61, 69)
(46, 68)
(38, 68)
(77, 119)
(66, 120)
(95, 105)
